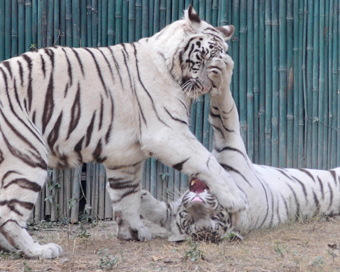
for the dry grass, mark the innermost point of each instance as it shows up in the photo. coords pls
(307, 246)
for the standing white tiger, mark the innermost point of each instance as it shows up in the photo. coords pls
(275, 195)
(60, 107)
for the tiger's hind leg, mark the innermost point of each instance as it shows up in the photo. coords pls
(18, 193)
(124, 189)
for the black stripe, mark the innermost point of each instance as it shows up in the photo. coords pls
(219, 117)
(286, 206)
(90, 130)
(49, 104)
(297, 213)
(99, 73)
(79, 60)
(7, 65)
(229, 168)
(331, 196)
(108, 63)
(140, 81)
(321, 187)
(43, 65)
(25, 184)
(29, 87)
(69, 68)
(317, 203)
(54, 134)
(174, 118)
(117, 66)
(75, 113)
(21, 73)
(13, 202)
(334, 175)
(78, 148)
(179, 166)
(101, 113)
(307, 172)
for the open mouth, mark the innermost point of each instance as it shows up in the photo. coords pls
(197, 186)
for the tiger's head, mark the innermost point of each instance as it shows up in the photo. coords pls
(187, 46)
(196, 214)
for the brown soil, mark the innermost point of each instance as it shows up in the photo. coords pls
(307, 246)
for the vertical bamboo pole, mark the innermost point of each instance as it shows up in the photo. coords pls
(68, 23)
(338, 86)
(118, 21)
(14, 27)
(75, 24)
(243, 71)
(275, 85)
(94, 8)
(61, 195)
(283, 83)
(56, 25)
(2, 30)
(8, 29)
(89, 185)
(250, 79)
(49, 21)
(316, 119)
(322, 122)
(261, 57)
(28, 25)
(62, 21)
(21, 27)
(111, 23)
(125, 22)
(333, 88)
(104, 22)
(145, 18)
(102, 182)
(268, 84)
(151, 17)
(309, 85)
(99, 23)
(139, 21)
(132, 20)
(52, 190)
(76, 194)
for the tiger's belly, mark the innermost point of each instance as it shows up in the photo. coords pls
(120, 150)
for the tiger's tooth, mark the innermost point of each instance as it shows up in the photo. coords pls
(193, 182)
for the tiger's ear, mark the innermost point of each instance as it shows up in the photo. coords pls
(191, 17)
(226, 31)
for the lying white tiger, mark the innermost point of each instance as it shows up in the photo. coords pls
(118, 105)
(275, 195)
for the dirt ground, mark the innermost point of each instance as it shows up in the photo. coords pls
(302, 246)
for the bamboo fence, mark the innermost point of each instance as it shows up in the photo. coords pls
(286, 81)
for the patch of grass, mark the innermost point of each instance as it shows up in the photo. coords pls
(107, 262)
(193, 253)
(26, 268)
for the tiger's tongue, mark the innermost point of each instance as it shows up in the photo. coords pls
(197, 186)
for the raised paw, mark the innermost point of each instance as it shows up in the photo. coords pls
(48, 251)
(232, 203)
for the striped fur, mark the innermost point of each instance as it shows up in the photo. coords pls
(118, 105)
(275, 195)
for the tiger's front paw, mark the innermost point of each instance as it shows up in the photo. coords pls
(48, 251)
(233, 202)
(131, 230)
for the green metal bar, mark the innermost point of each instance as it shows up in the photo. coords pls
(282, 83)
(250, 79)
(303, 84)
(262, 109)
(40, 26)
(168, 12)
(268, 84)
(132, 20)
(338, 86)
(14, 27)
(275, 84)
(21, 27)
(99, 24)
(234, 50)
(175, 10)
(151, 17)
